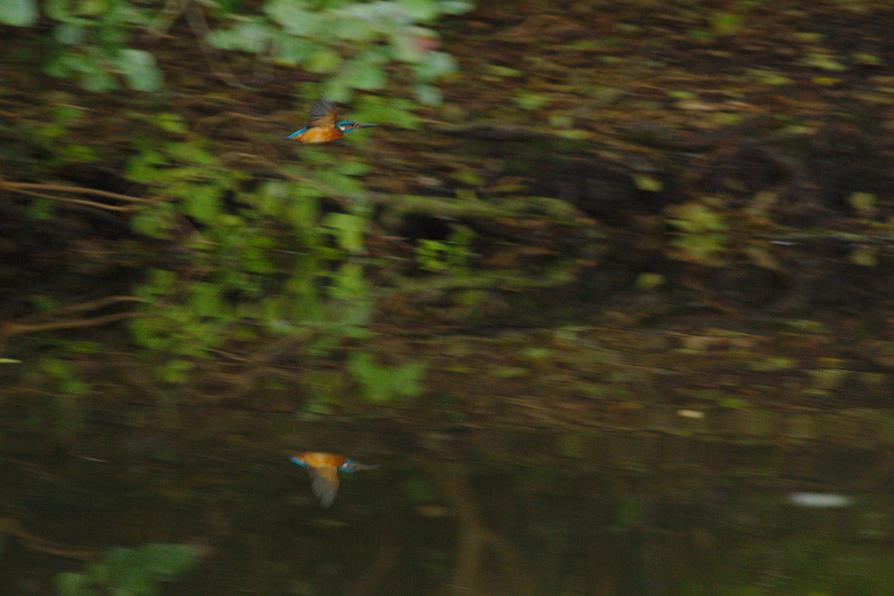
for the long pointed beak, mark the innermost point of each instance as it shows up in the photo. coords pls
(367, 125)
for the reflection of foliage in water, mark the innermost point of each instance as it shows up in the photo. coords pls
(130, 571)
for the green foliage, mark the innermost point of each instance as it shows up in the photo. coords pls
(55, 136)
(382, 384)
(63, 377)
(865, 256)
(863, 203)
(183, 170)
(648, 183)
(530, 100)
(701, 233)
(823, 61)
(649, 281)
(91, 45)
(450, 255)
(18, 13)
(725, 23)
(351, 43)
(270, 262)
(130, 571)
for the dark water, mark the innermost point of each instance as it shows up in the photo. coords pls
(464, 510)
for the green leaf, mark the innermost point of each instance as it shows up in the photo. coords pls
(863, 202)
(94, 78)
(120, 558)
(407, 379)
(366, 71)
(293, 18)
(348, 229)
(421, 10)
(864, 256)
(649, 281)
(190, 153)
(291, 50)
(383, 384)
(725, 23)
(62, 65)
(172, 123)
(145, 333)
(205, 300)
(203, 204)
(824, 62)
(169, 560)
(251, 36)
(346, 186)
(647, 183)
(435, 64)
(140, 70)
(69, 33)
(353, 168)
(350, 284)
(528, 100)
(456, 6)
(428, 95)
(323, 61)
(9, 361)
(368, 78)
(18, 13)
(72, 584)
(397, 112)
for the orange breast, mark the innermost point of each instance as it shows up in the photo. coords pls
(320, 135)
(317, 459)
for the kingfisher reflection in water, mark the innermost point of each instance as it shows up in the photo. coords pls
(324, 469)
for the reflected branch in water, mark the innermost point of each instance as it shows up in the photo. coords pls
(473, 536)
(36, 543)
(388, 555)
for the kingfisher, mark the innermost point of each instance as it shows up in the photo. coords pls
(324, 126)
(324, 469)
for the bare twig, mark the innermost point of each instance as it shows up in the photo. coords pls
(34, 324)
(67, 188)
(34, 542)
(10, 328)
(83, 202)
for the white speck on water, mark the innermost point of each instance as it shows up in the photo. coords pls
(820, 500)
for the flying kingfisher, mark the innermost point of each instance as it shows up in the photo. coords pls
(324, 126)
(323, 469)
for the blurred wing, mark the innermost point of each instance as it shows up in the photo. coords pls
(323, 113)
(324, 483)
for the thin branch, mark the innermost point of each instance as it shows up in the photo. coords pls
(84, 202)
(8, 329)
(15, 186)
(99, 303)
(34, 542)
